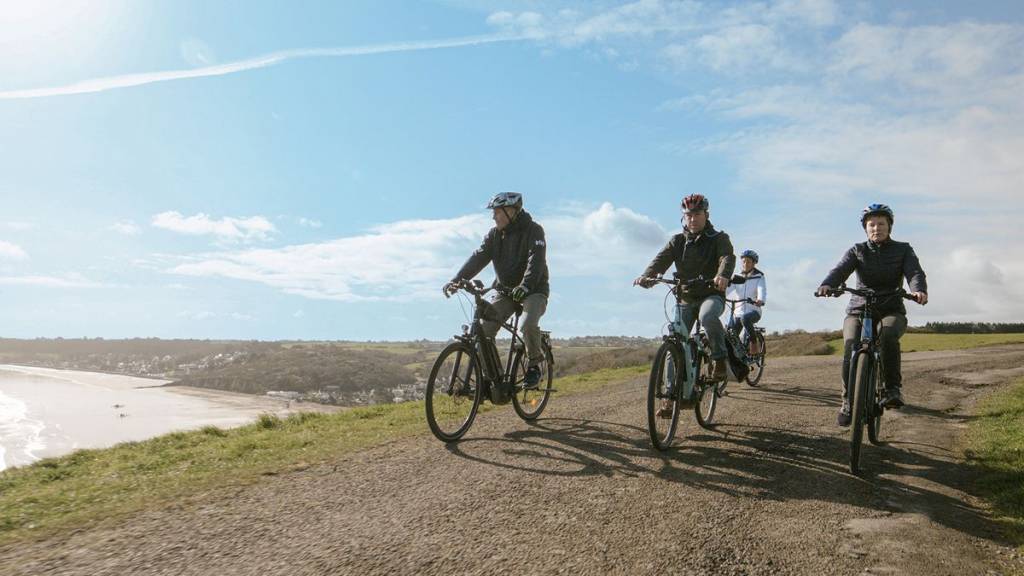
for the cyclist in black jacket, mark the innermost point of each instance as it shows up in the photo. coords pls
(882, 264)
(517, 249)
(699, 251)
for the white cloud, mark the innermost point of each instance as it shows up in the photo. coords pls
(19, 226)
(9, 251)
(126, 227)
(411, 259)
(396, 261)
(68, 281)
(310, 223)
(230, 229)
(130, 80)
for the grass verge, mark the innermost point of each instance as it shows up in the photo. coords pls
(87, 486)
(996, 450)
(919, 342)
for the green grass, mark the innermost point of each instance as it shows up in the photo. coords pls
(996, 450)
(90, 485)
(917, 342)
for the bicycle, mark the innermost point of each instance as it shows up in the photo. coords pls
(469, 369)
(682, 369)
(866, 377)
(754, 361)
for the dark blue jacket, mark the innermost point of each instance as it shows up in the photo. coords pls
(880, 267)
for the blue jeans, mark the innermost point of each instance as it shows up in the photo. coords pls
(747, 320)
(709, 309)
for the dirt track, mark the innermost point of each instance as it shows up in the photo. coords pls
(582, 492)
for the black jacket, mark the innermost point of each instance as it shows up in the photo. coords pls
(707, 254)
(880, 267)
(519, 254)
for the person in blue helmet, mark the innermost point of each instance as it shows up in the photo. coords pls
(518, 250)
(882, 264)
(755, 288)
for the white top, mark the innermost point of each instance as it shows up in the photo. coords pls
(754, 288)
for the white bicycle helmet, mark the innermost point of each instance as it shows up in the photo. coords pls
(506, 200)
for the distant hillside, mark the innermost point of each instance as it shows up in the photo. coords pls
(344, 373)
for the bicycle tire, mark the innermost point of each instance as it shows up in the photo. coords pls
(530, 402)
(876, 408)
(861, 384)
(708, 390)
(662, 430)
(451, 410)
(754, 376)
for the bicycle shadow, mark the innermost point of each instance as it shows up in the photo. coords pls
(746, 461)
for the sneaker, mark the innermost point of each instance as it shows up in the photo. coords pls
(665, 412)
(893, 398)
(845, 414)
(532, 378)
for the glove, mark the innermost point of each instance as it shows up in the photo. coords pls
(519, 293)
(450, 288)
(645, 282)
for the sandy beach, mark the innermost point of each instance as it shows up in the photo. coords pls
(47, 412)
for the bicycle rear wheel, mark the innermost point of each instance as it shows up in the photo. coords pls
(453, 392)
(757, 368)
(708, 391)
(861, 385)
(529, 401)
(662, 386)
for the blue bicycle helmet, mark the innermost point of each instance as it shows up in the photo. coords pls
(749, 254)
(876, 210)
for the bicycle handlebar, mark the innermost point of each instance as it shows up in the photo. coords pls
(868, 293)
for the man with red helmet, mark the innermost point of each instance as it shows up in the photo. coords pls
(881, 263)
(700, 251)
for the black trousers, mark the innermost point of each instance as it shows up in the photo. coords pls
(892, 327)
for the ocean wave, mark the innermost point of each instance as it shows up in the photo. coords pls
(22, 435)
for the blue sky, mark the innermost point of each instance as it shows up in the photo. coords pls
(318, 170)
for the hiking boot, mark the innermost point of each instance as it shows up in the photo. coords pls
(665, 412)
(532, 377)
(845, 414)
(893, 398)
(721, 372)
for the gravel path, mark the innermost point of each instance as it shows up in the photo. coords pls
(582, 492)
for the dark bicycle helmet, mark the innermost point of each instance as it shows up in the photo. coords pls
(749, 254)
(506, 200)
(876, 210)
(694, 203)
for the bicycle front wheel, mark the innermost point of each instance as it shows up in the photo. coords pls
(876, 409)
(708, 391)
(757, 368)
(861, 386)
(663, 395)
(453, 392)
(529, 401)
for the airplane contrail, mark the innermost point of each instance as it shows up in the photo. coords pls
(129, 80)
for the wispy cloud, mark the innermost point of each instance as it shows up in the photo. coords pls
(126, 227)
(19, 226)
(10, 251)
(69, 281)
(140, 79)
(225, 229)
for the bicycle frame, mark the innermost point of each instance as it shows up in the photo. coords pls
(488, 347)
